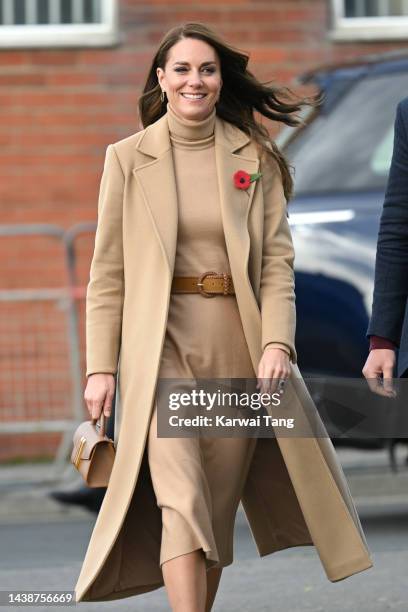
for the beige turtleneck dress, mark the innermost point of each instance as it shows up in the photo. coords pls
(198, 481)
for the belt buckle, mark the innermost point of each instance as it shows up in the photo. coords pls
(200, 284)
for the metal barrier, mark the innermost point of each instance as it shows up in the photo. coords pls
(41, 374)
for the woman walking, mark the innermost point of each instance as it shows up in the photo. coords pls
(194, 207)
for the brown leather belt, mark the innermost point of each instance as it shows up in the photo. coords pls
(208, 284)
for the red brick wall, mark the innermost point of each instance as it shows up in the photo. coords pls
(60, 108)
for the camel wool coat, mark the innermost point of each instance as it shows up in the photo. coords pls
(295, 493)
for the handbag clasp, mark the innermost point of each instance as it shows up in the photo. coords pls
(77, 458)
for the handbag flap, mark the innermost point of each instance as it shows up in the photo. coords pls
(88, 431)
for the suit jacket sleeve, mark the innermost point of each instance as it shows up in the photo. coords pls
(391, 268)
(105, 290)
(277, 287)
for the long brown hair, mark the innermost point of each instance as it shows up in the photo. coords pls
(241, 94)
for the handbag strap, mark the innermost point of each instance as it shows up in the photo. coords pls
(102, 422)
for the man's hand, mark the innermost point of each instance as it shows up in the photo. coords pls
(378, 370)
(274, 365)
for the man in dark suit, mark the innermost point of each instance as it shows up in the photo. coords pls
(388, 327)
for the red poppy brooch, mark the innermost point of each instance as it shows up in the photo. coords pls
(242, 179)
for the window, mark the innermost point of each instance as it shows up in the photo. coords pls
(349, 148)
(369, 19)
(58, 23)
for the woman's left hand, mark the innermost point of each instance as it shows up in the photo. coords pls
(273, 367)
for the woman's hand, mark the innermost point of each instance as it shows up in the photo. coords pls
(99, 394)
(274, 365)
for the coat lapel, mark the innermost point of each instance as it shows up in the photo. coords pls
(157, 183)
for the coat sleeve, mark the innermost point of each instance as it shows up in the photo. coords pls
(283, 347)
(105, 290)
(277, 287)
(391, 276)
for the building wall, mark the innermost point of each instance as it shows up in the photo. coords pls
(60, 108)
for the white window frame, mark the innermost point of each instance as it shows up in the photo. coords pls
(366, 28)
(105, 33)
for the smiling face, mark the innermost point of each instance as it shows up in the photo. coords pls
(191, 78)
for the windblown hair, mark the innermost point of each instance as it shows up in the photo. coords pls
(241, 94)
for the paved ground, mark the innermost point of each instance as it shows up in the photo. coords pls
(45, 543)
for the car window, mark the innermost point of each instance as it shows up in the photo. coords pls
(350, 147)
(381, 157)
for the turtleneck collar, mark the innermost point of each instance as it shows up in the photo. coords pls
(182, 129)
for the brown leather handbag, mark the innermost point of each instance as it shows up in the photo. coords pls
(93, 453)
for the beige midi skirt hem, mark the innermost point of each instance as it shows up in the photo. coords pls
(181, 548)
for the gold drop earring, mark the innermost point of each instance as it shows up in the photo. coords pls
(162, 95)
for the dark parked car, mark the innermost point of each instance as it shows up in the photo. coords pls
(341, 160)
